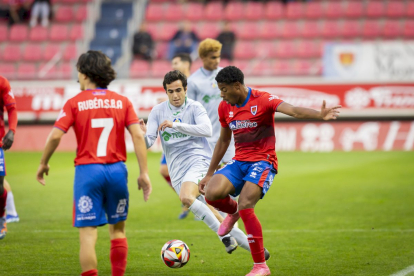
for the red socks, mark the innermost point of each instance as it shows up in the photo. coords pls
(119, 252)
(93, 272)
(254, 234)
(3, 199)
(226, 205)
(168, 179)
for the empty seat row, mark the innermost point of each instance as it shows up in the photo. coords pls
(37, 52)
(67, 13)
(57, 32)
(29, 71)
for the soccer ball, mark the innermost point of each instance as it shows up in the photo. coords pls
(175, 254)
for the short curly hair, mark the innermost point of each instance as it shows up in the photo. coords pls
(173, 76)
(208, 45)
(230, 74)
(97, 67)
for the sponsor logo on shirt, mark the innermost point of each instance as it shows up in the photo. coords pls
(253, 110)
(242, 124)
(273, 97)
(175, 135)
(85, 204)
(166, 136)
(207, 98)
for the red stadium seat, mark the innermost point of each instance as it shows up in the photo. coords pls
(375, 9)
(18, 33)
(167, 31)
(301, 67)
(395, 9)
(269, 30)
(174, 12)
(160, 68)
(76, 32)
(4, 33)
(234, 11)
(161, 49)
(286, 49)
(8, 70)
(81, 13)
(58, 33)
(410, 9)
(199, 63)
(309, 49)
(26, 71)
(38, 33)
(152, 29)
(249, 30)
(51, 73)
(64, 14)
(409, 29)
(295, 10)
(66, 70)
(11, 52)
(311, 29)
(291, 29)
(70, 52)
(32, 52)
(314, 10)
(351, 29)
(354, 9)
(139, 69)
(334, 10)
(281, 68)
(262, 68)
(273, 10)
(195, 12)
(209, 30)
(253, 11)
(214, 11)
(371, 29)
(244, 50)
(266, 49)
(241, 64)
(391, 29)
(51, 50)
(331, 29)
(155, 12)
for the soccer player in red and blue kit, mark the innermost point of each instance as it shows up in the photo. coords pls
(249, 114)
(6, 100)
(99, 118)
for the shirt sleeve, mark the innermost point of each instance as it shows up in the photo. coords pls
(274, 102)
(192, 91)
(10, 104)
(202, 128)
(222, 117)
(131, 116)
(66, 117)
(152, 129)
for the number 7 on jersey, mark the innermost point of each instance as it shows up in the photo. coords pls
(107, 124)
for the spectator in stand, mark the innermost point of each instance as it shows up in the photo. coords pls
(40, 8)
(185, 40)
(143, 44)
(18, 11)
(227, 38)
(4, 11)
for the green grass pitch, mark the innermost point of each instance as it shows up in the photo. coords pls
(325, 214)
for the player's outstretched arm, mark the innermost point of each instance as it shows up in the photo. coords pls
(140, 147)
(52, 143)
(308, 113)
(219, 150)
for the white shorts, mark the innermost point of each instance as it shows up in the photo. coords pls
(194, 174)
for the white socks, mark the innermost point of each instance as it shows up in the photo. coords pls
(10, 207)
(240, 237)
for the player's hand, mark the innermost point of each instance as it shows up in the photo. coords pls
(329, 113)
(164, 125)
(144, 183)
(143, 125)
(203, 184)
(43, 169)
(8, 140)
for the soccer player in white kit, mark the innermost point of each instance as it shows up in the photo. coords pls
(183, 126)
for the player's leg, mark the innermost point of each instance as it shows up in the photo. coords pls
(119, 248)
(87, 254)
(11, 213)
(3, 199)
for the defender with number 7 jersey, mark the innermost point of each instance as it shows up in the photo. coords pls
(99, 118)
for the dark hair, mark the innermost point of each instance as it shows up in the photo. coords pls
(97, 67)
(184, 57)
(173, 76)
(230, 74)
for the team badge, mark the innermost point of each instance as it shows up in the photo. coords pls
(177, 120)
(253, 109)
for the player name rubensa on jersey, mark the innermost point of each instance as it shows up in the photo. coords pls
(99, 118)
(252, 124)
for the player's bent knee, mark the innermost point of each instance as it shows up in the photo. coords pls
(187, 200)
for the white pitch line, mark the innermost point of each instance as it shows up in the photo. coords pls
(404, 272)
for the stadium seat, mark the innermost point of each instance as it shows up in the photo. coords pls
(248, 30)
(139, 69)
(234, 11)
(354, 9)
(155, 12)
(334, 10)
(244, 50)
(76, 32)
(167, 31)
(8, 70)
(291, 29)
(199, 63)
(64, 14)
(371, 29)
(281, 68)
(286, 49)
(11, 53)
(395, 9)
(269, 30)
(241, 64)
(209, 30)
(38, 33)
(314, 10)
(195, 12)
(301, 67)
(66, 70)
(50, 74)
(409, 29)
(266, 49)
(159, 68)
(273, 10)
(70, 52)
(253, 11)
(410, 9)
(174, 12)
(375, 9)
(331, 29)
(294, 10)
(152, 29)
(311, 29)
(4, 33)
(26, 71)
(391, 29)
(81, 13)
(161, 50)
(309, 49)
(351, 29)
(58, 33)
(214, 11)
(262, 68)
(51, 50)
(18, 33)
(32, 52)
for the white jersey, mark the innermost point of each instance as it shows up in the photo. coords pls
(185, 143)
(202, 87)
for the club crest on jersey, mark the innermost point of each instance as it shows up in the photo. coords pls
(177, 120)
(253, 110)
